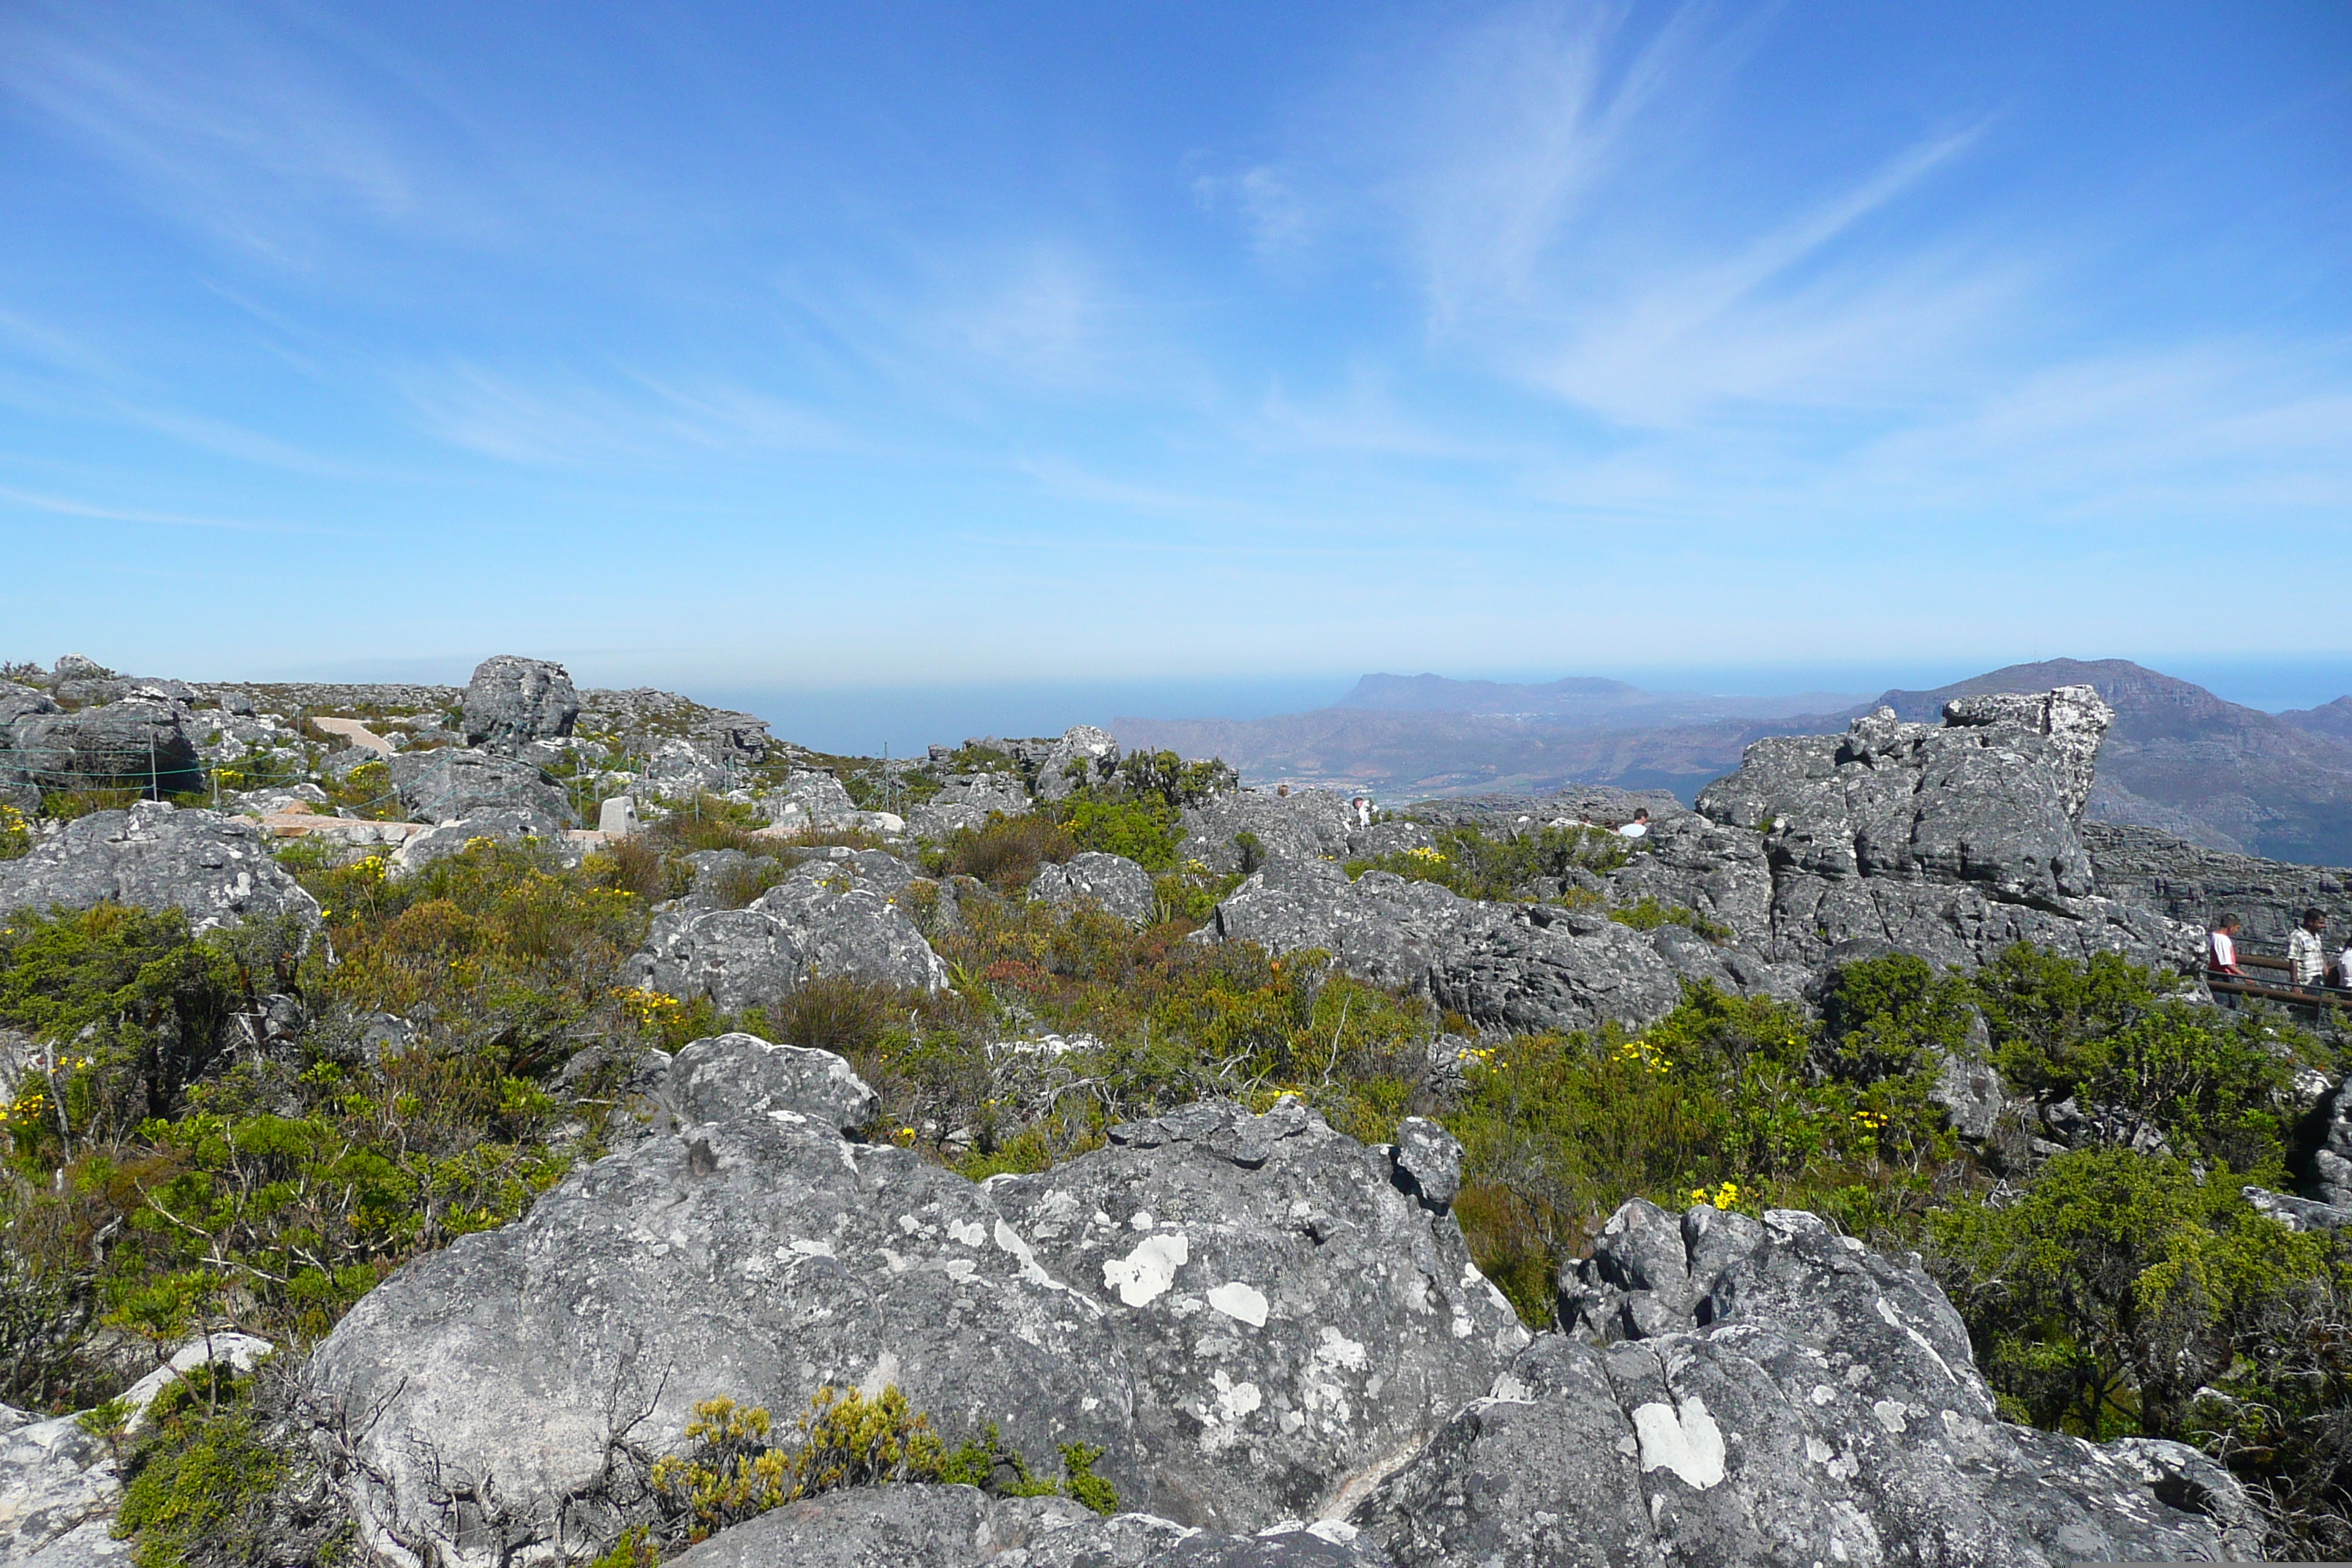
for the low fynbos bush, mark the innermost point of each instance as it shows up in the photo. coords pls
(737, 1467)
(1477, 866)
(16, 833)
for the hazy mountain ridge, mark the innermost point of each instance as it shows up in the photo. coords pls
(1580, 701)
(2179, 758)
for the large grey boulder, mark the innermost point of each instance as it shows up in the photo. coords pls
(1733, 1391)
(1245, 1313)
(1305, 825)
(1112, 882)
(141, 742)
(1688, 861)
(1383, 926)
(810, 799)
(512, 700)
(1950, 841)
(1532, 967)
(844, 917)
(445, 784)
(1083, 755)
(215, 867)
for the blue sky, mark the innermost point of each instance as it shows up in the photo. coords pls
(827, 348)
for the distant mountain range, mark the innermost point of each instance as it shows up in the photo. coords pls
(2179, 757)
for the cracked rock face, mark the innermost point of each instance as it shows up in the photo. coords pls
(155, 855)
(833, 916)
(1248, 1314)
(1731, 1391)
(1951, 841)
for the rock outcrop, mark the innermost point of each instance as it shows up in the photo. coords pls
(155, 855)
(1250, 1316)
(1112, 882)
(60, 1485)
(1951, 841)
(1506, 967)
(141, 742)
(1735, 1392)
(840, 914)
(444, 785)
(1083, 755)
(512, 700)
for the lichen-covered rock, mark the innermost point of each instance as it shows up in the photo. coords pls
(1305, 825)
(830, 916)
(743, 1075)
(1381, 926)
(1528, 968)
(810, 799)
(1245, 1313)
(512, 700)
(1113, 882)
(56, 1482)
(59, 1485)
(445, 784)
(1734, 1392)
(155, 855)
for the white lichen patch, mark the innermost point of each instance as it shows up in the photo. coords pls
(1685, 1441)
(971, 1235)
(1237, 1299)
(1890, 1414)
(1144, 1275)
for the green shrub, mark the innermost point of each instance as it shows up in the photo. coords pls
(2106, 1294)
(1145, 829)
(191, 1488)
(1649, 915)
(1006, 851)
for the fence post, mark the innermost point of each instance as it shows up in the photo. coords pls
(154, 785)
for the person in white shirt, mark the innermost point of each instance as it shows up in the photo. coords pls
(2221, 957)
(2306, 958)
(1637, 828)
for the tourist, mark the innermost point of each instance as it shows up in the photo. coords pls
(2221, 957)
(2306, 958)
(1638, 828)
